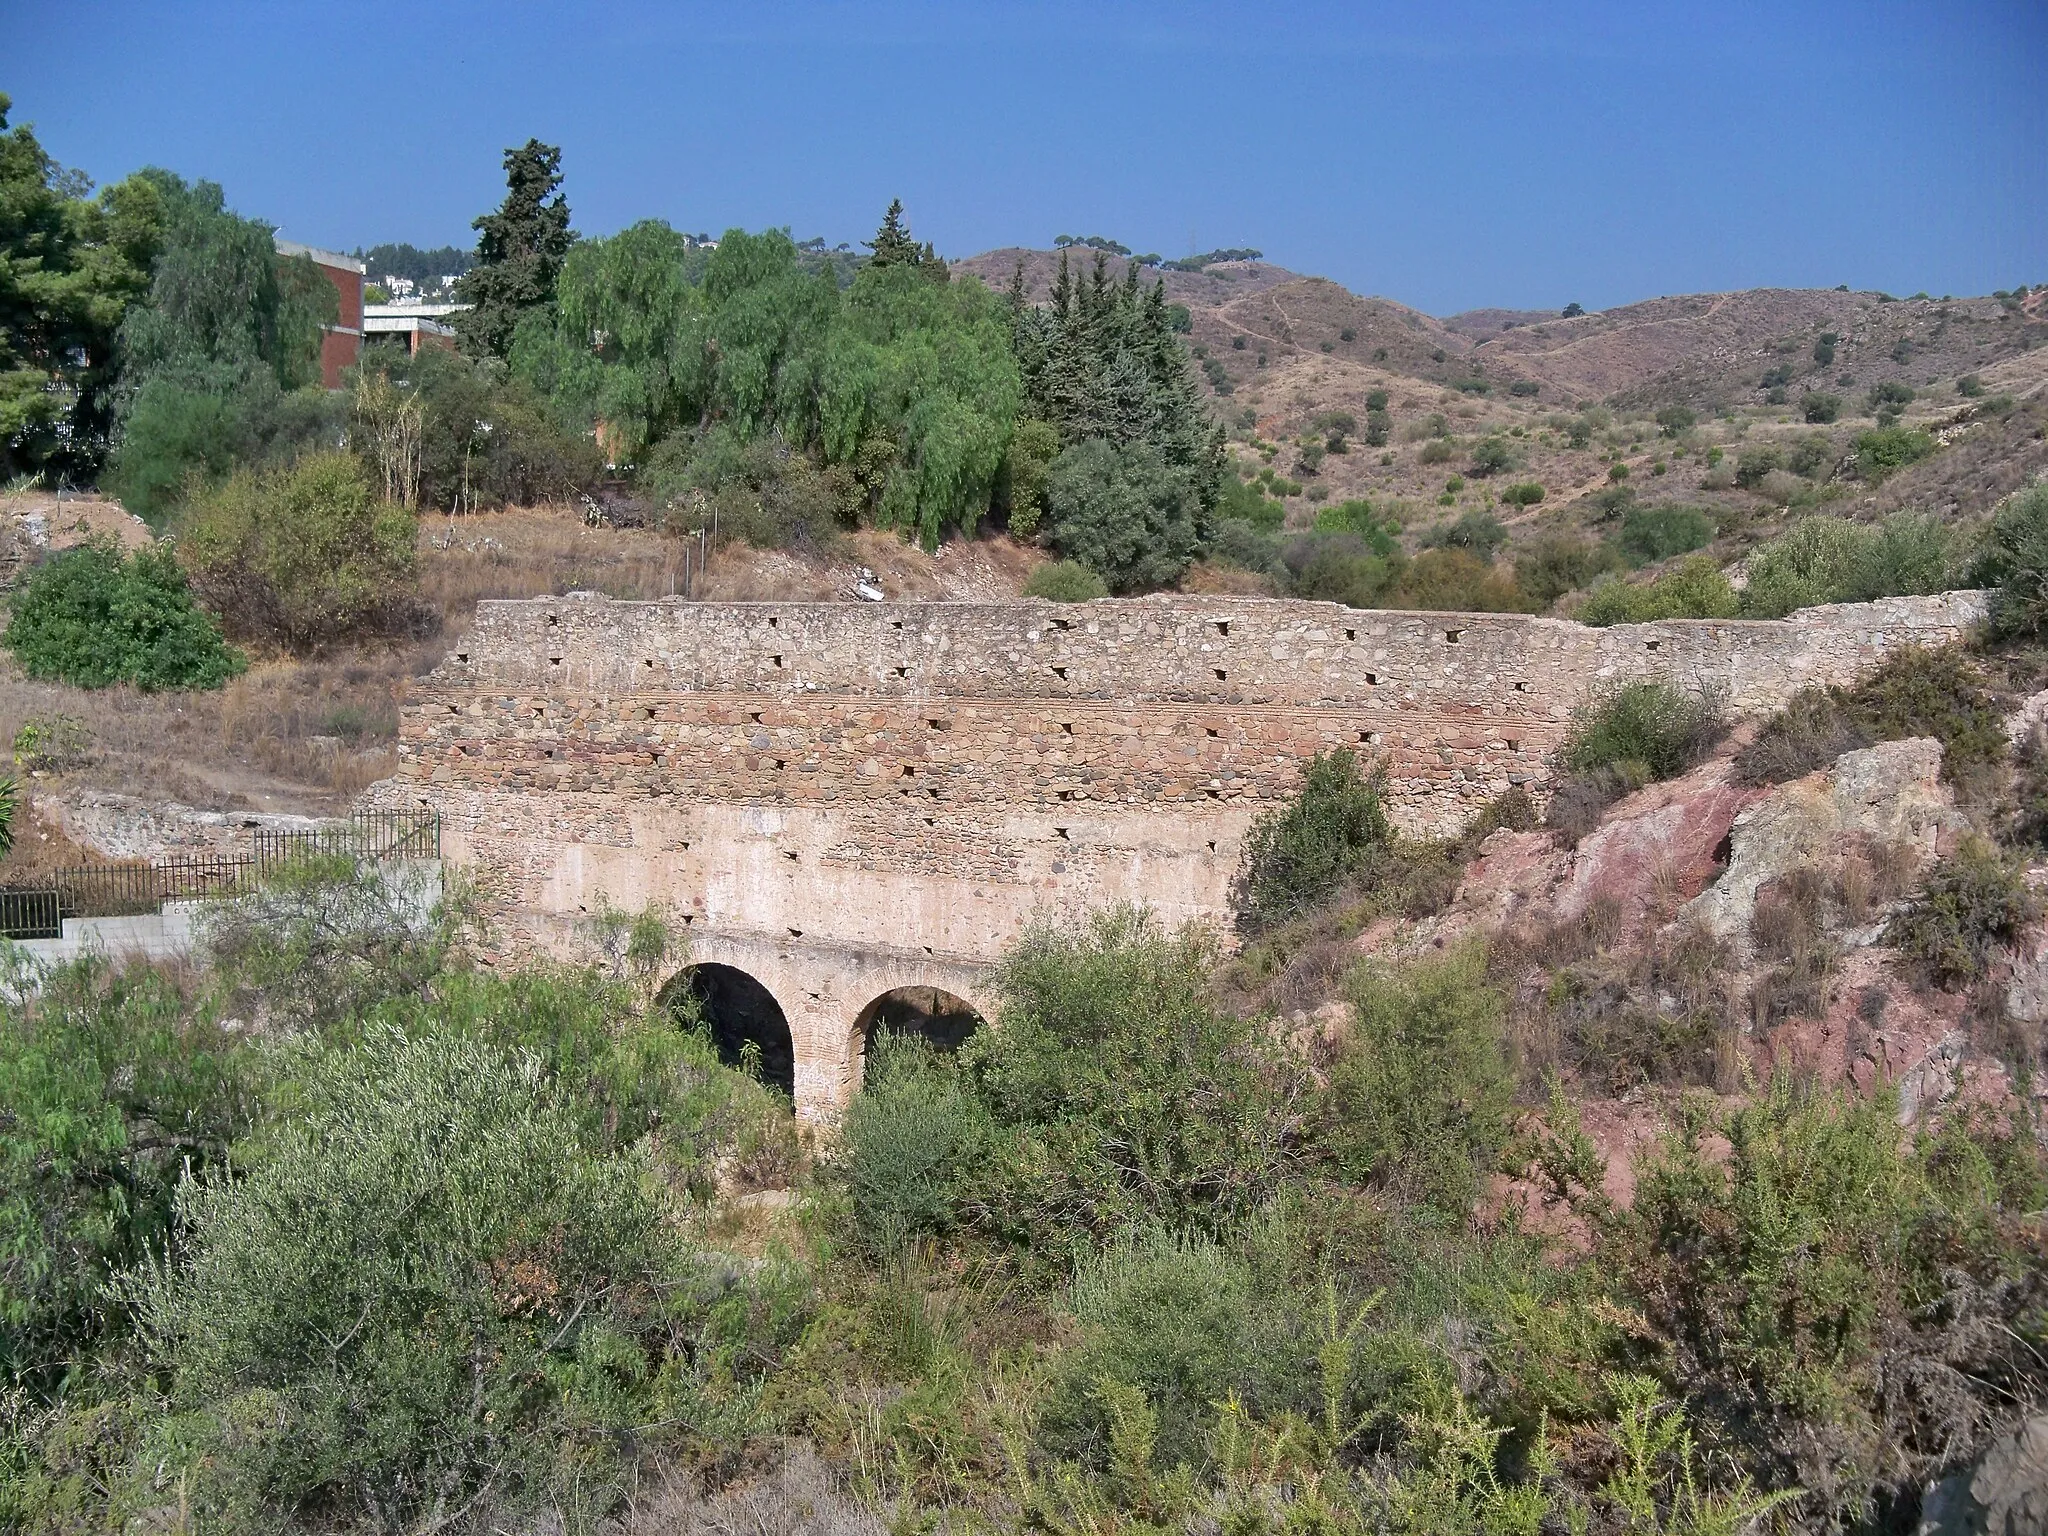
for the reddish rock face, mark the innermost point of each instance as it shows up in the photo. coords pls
(1660, 847)
(1656, 850)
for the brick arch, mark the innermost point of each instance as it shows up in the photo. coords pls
(948, 1018)
(742, 1011)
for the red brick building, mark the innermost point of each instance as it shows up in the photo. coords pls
(343, 340)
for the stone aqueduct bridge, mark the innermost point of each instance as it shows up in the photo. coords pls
(844, 800)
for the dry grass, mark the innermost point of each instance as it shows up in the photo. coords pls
(796, 1496)
(535, 552)
(300, 737)
(1617, 1016)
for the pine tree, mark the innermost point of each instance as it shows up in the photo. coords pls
(892, 245)
(519, 251)
(1102, 363)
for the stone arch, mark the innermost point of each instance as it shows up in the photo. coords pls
(943, 1018)
(740, 1011)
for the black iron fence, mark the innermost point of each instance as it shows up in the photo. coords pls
(31, 914)
(381, 836)
(133, 889)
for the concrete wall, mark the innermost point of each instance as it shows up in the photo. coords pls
(853, 793)
(165, 935)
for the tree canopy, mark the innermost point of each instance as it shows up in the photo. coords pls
(519, 251)
(70, 266)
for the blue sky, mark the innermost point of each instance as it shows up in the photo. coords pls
(1447, 155)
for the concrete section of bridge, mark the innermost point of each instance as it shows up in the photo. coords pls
(843, 801)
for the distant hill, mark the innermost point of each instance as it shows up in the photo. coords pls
(1703, 350)
(1574, 401)
(1213, 286)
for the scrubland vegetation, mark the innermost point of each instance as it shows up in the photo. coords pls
(421, 1245)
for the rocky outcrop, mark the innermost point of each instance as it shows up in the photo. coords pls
(1889, 796)
(1652, 851)
(2004, 1494)
(127, 827)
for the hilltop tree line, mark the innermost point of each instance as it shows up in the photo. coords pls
(153, 341)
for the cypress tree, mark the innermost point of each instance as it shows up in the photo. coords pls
(519, 251)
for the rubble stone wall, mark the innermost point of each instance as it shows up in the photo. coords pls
(918, 782)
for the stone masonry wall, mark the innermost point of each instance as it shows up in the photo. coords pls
(914, 783)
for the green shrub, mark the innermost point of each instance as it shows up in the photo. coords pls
(911, 1137)
(1816, 726)
(1819, 409)
(1889, 449)
(1299, 855)
(1490, 456)
(2027, 823)
(1105, 1035)
(1456, 581)
(1243, 502)
(1975, 906)
(1476, 530)
(1790, 1348)
(1913, 555)
(1814, 562)
(1915, 691)
(52, 743)
(414, 423)
(1651, 723)
(1923, 691)
(1553, 564)
(1357, 570)
(1834, 560)
(427, 1283)
(1171, 1325)
(1526, 389)
(1033, 446)
(1674, 419)
(2014, 564)
(1753, 464)
(326, 940)
(1969, 386)
(93, 617)
(1357, 517)
(762, 492)
(1065, 581)
(1437, 450)
(1656, 533)
(1420, 1093)
(305, 557)
(184, 432)
(1525, 494)
(1241, 544)
(1125, 513)
(1695, 588)
(109, 1091)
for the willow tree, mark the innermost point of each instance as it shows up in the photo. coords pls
(928, 368)
(906, 381)
(768, 318)
(626, 342)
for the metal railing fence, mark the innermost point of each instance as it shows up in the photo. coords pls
(132, 888)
